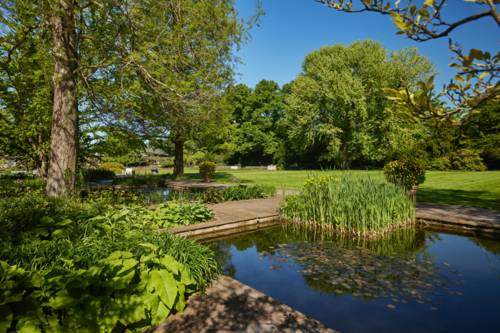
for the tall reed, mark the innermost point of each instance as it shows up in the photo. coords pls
(359, 206)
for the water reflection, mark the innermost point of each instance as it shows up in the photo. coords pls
(397, 267)
(414, 281)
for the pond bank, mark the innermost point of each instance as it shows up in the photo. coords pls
(231, 306)
(240, 216)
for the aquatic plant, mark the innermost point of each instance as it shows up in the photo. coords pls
(359, 206)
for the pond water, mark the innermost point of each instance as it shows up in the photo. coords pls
(415, 281)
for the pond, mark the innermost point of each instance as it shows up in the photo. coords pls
(415, 281)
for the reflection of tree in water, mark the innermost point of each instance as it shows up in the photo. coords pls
(396, 266)
(223, 257)
(492, 246)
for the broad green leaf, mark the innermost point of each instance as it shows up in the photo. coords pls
(61, 300)
(6, 317)
(164, 285)
(28, 325)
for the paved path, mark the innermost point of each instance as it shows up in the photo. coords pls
(242, 214)
(457, 213)
(246, 209)
(231, 306)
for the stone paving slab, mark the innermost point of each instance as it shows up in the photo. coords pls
(257, 210)
(231, 306)
(458, 214)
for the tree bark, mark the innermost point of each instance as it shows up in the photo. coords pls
(61, 177)
(179, 157)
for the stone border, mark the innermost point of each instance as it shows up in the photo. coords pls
(467, 228)
(223, 228)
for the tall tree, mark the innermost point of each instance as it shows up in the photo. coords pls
(81, 35)
(26, 103)
(478, 71)
(256, 114)
(337, 104)
(180, 58)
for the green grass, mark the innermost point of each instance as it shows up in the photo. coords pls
(467, 188)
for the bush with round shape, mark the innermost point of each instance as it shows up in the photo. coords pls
(116, 167)
(92, 175)
(407, 172)
(207, 170)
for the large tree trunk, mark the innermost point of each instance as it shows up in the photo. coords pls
(61, 176)
(179, 157)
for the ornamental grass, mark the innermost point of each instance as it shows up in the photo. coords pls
(357, 206)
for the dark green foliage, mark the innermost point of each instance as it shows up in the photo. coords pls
(92, 175)
(111, 196)
(406, 172)
(181, 213)
(207, 170)
(232, 193)
(116, 167)
(67, 266)
(150, 179)
(243, 192)
(167, 162)
(17, 187)
(257, 115)
(357, 206)
(462, 160)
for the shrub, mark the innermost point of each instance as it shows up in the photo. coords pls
(168, 162)
(103, 273)
(18, 187)
(244, 192)
(358, 206)
(92, 175)
(467, 160)
(27, 212)
(233, 193)
(179, 213)
(112, 197)
(407, 172)
(207, 170)
(441, 164)
(116, 167)
(17, 175)
(149, 179)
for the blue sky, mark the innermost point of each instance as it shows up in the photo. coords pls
(290, 29)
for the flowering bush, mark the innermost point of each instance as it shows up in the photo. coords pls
(116, 167)
(407, 172)
(207, 170)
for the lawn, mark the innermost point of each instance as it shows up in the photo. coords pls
(478, 189)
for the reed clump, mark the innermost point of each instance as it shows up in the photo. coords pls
(357, 206)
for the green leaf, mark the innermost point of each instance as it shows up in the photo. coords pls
(6, 318)
(164, 285)
(483, 75)
(399, 22)
(61, 300)
(28, 325)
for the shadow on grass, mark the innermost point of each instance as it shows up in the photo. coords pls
(483, 199)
